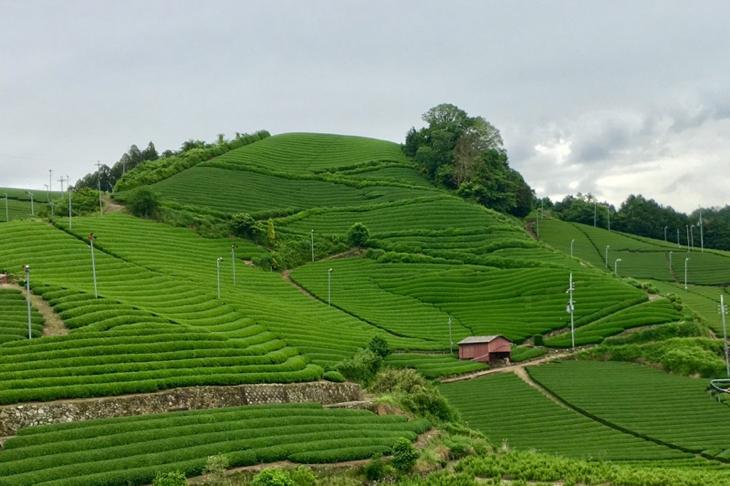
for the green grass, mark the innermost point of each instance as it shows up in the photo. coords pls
(505, 408)
(14, 317)
(132, 450)
(670, 408)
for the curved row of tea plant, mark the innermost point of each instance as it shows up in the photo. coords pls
(132, 450)
(674, 409)
(517, 303)
(183, 317)
(14, 317)
(505, 408)
(644, 314)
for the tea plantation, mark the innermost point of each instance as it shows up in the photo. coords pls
(247, 271)
(14, 317)
(132, 450)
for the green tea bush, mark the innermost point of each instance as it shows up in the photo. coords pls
(273, 477)
(334, 376)
(358, 235)
(362, 367)
(143, 202)
(414, 393)
(375, 469)
(404, 455)
(170, 479)
(379, 346)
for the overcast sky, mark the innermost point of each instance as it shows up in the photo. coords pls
(610, 98)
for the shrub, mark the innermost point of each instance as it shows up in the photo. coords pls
(404, 455)
(272, 477)
(215, 471)
(414, 393)
(270, 232)
(538, 340)
(244, 225)
(379, 346)
(375, 469)
(175, 478)
(358, 235)
(362, 367)
(303, 476)
(334, 376)
(143, 202)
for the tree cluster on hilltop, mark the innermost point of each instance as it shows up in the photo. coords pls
(106, 176)
(467, 154)
(646, 217)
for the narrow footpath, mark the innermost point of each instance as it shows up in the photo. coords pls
(53, 324)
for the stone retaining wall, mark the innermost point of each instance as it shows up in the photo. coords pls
(14, 417)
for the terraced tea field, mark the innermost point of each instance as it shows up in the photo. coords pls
(301, 153)
(222, 191)
(180, 319)
(640, 257)
(132, 450)
(505, 408)
(644, 314)
(517, 303)
(673, 409)
(14, 317)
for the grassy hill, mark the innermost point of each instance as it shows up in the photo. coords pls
(435, 269)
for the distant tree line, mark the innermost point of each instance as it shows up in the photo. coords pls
(646, 217)
(107, 176)
(467, 154)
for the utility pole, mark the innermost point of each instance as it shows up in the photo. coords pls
(702, 234)
(537, 225)
(98, 184)
(615, 266)
(27, 299)
(665, 233)
(7, 212)
(572, 243)
(687, 228)
(32, 207)
(692, 237)
(61, 179)
(218, 274)
(68, 190)
(329, 287)
(723, 313)
(93, 264)
(571, 310)
(312, 243)
(678, 245)
(686, 259)
(607, 247)
(670, 261)
(608, 211)
(50, 184)
(233, 261)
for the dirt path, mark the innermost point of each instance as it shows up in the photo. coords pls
(524, 376)
(287, 278)
(53, 325)
(511, 368)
